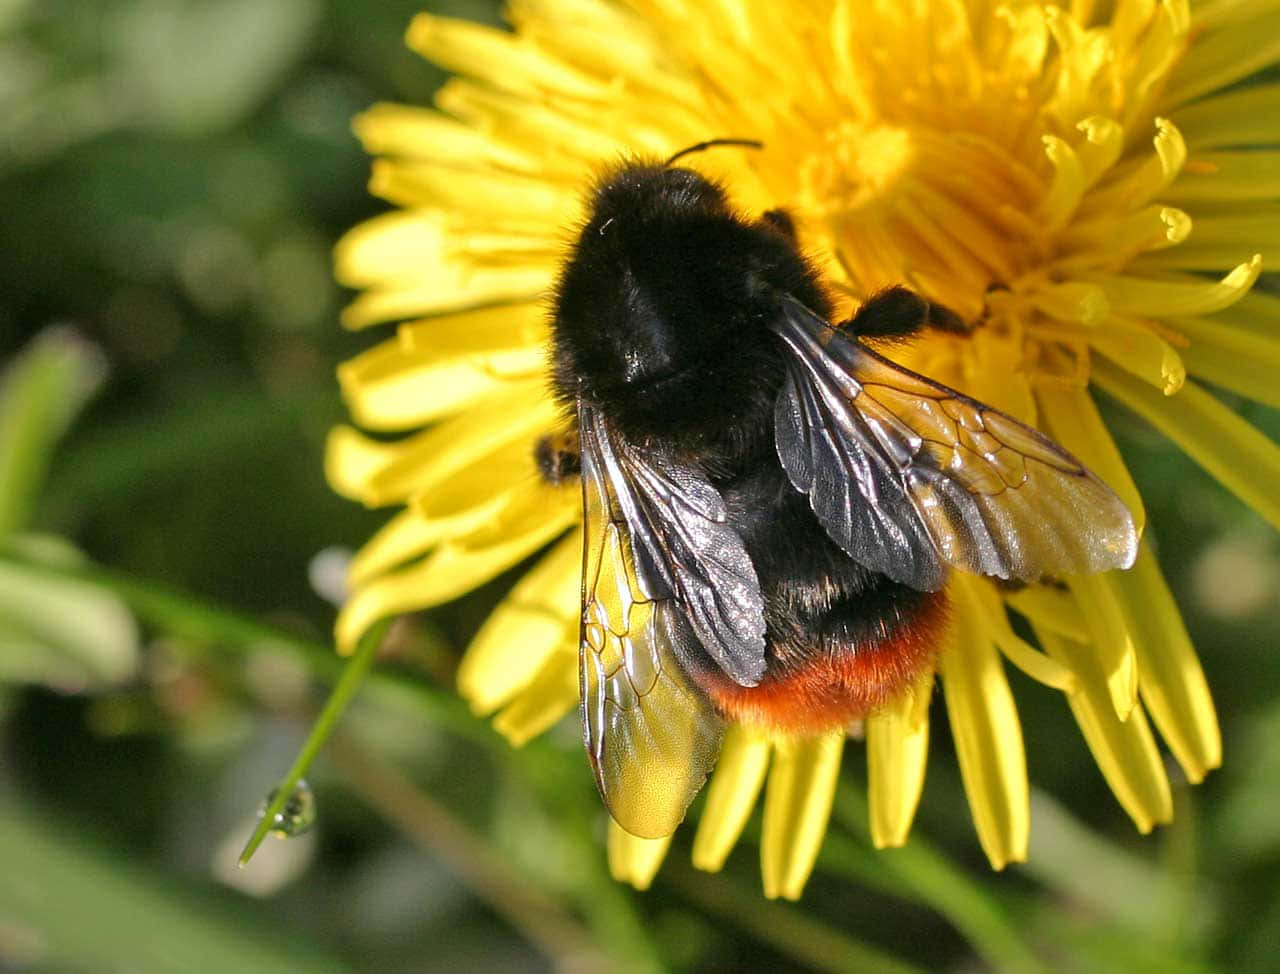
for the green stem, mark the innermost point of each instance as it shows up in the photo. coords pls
(353, 675)
(936, 882)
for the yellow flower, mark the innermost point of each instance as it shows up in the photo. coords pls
(1078, 183)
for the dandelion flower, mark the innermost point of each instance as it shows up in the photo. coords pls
(1088, 188)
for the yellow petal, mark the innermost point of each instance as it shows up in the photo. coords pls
(487, 331)
(1218, 13)
(1221, 57)
(1125, 751)
(574, 135)
(451, 286)
(610, 42)
(966, 235)
(1140, 351)
(1256, 313)
(470, 499)
(491, 198)
(528, 511)
(392, 388)
(1155, 298)
(634, 860)
(404, 537)
(1241, 458)
(735, 786)
(1170, 678)
(995, 371)
(351, 459)
(569, 146)
(457, 567)
(1130, 187)
(1243, 117)
(1083, 55)
(1049, 608)
(1075, 302)
(1110, 238)
(387, 129)
(979, 597)
(1069, 415)
(551, 694)
(1109, 640)
(1218, 241)
(1241, 361)
(501, 58)
(390, 247)
(462, 499)
(797, 804)
(897, 752)
(1104, 141)
(1159, 40)
(1228, 176)
(423, 462)
(417, 392)
(1067, 188)
(525, 629)
(988, 741)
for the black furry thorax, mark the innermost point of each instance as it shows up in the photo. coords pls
(662, 313)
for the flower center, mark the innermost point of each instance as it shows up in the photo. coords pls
(936, 210)
(855, 166)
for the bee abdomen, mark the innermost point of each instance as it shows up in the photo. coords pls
(842, 640)
(828, 681)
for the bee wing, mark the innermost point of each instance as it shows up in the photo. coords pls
(651, 734)
(682, 545)
(909, 476)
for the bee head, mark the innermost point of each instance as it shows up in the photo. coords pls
(664, 302)
(633, 313)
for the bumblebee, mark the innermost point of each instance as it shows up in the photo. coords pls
(771, 506)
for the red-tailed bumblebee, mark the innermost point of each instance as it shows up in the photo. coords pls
(771, 507)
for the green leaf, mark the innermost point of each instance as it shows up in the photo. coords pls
(972, 907)
(62, 631)
(1246, 826)
(40, 394)
(204, 65)
(12, 13)
(1119, 886)
(85, 908)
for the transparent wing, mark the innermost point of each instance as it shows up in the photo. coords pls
(652, 736)
(909, 476)
(678, 529)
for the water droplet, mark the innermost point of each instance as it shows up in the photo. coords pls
(298, 813)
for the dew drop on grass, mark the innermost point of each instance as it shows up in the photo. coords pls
(298, 813)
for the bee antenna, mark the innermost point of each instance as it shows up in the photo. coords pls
(748, 143)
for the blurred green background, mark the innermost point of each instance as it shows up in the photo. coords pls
(172, 178)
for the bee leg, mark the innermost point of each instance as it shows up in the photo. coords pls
(557, 458)
(897, 312)
(779, 221)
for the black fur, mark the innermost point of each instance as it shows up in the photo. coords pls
(663, 312)
(897, 312)
(662, 319)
